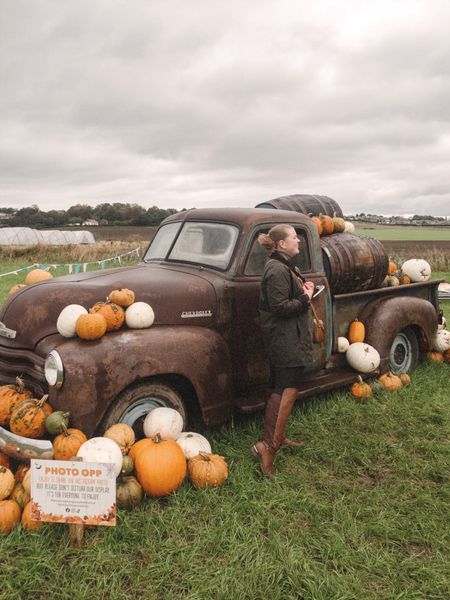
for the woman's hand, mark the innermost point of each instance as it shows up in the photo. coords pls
(308, 288)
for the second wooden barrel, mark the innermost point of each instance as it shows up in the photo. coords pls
(353, 263)
(307, 204)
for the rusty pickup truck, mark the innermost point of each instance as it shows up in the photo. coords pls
(204, 353)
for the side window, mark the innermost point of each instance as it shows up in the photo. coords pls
(257, 256)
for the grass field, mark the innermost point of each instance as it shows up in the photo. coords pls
(360, 512)
(402, 233)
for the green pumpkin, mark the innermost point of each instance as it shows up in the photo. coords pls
(57, 422)
(129, 492)
(127, 465)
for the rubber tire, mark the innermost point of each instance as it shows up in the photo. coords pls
(404, 352)
(141, 398)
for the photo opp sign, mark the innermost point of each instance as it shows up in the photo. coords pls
(69, 491)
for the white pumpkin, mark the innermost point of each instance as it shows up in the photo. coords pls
(102, 450)
(442, 340)
(349, 227)
(362, 357)
(68, 318)
(416, 269)
(166, 422)
(343, 344)
(139, 315)
(192, 443)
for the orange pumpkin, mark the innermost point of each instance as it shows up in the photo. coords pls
(9, 515)
(91, 327)
(6, 482)
(20, 495)
(10, 396)
(327, 224)
(360, 389)
(356, 332)
(318, 224)
(405, 378)
(392, 267)
(20, 472)
(137, 447)
(446, 355)
(207, 470)
(113, 313)
(123, 297)
(435, 356)
(67, 443)
(390, 381)
(16, 288)
(160, 466)
(27, 522)
(37, 275)
(5, 461)
(404, 280)
(28, 417)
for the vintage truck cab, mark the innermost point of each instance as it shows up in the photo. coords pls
(201, 274)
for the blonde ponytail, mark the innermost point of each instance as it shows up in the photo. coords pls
(270, 240)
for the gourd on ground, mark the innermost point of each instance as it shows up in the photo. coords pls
(160, 466)
(360, 389)
(165, 422)
(20, 495)
(27, 522)
(123, 435)
(405, 378)
(442, 340)
(129, 492)
(207, 470)
(435, 356)
(9, 516)
(103, 450)
(67, 443)
(28, 417)
(6, 482)
(390, 381)
(193, 443)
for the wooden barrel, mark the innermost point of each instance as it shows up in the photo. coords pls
(353, 263)
(306, 204)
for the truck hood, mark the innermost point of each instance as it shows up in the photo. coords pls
(177, 297)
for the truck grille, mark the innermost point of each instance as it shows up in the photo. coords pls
(25, 364)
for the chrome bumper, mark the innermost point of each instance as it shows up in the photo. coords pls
(23, 448)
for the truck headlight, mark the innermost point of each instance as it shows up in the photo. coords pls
(54, 370)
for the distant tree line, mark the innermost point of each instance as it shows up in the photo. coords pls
(105, 214)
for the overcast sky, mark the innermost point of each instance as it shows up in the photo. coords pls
(207, 103)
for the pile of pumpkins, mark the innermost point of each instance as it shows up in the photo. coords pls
(390, 382)
(34, 276)
(413, 270)
(156, 465)
(441, 346)
(120, 307)
(327, 225)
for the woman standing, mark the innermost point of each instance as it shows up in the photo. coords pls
(284, 307)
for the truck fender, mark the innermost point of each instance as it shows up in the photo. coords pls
(384, 318)
(96, 372)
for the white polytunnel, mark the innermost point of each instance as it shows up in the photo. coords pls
(25, 236)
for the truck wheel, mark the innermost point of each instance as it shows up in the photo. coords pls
(404, 353)
(132, 405)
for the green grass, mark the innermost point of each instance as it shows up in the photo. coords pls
(361, 512)
(392, 232)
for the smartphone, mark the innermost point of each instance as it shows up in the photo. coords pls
(318, 290)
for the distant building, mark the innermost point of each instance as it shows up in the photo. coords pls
(90, 223)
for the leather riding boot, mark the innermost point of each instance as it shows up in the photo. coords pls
(278, 410)
(271, 414)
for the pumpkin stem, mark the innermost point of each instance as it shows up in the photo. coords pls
(20, 385)
(64, 429)
(360, 379)
(43, 400)
(157, 438)
(205, 456)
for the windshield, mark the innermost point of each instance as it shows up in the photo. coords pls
(210, 244)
